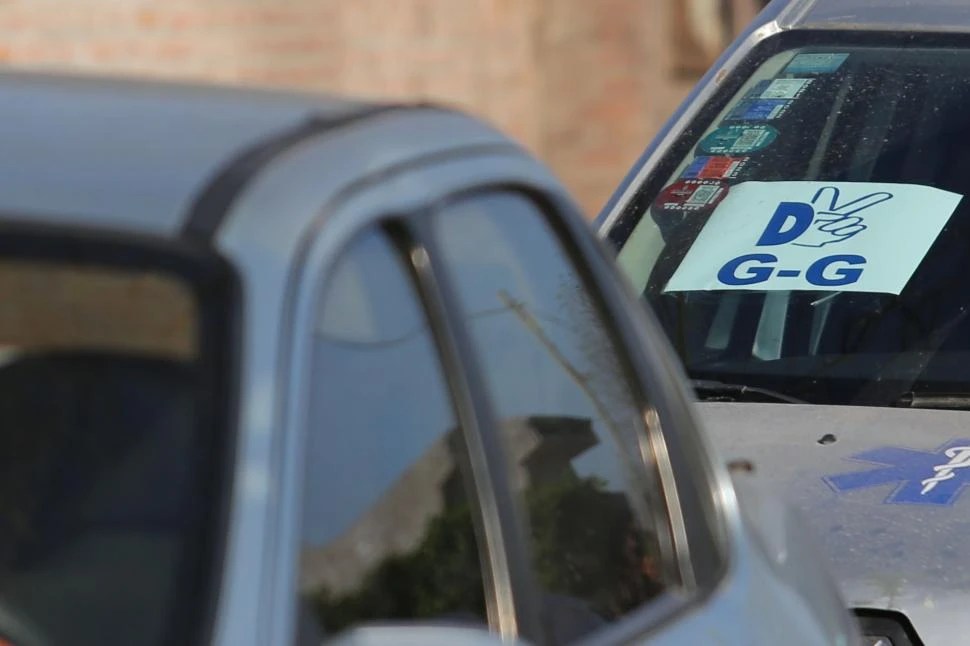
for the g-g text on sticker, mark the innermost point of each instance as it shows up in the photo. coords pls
(815, 236)
(753, 268)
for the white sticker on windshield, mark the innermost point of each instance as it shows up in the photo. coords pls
(785, 88)
(816, 236)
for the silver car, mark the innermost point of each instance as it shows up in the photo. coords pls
(280, 369)
(801, 230)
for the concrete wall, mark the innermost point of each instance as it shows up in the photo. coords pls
(582, 83)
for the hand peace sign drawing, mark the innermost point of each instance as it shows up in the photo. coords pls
(835, 222)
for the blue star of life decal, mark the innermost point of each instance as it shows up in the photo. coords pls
(921, 477)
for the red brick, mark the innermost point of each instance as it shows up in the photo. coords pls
(582, 84)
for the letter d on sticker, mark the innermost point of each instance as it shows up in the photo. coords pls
(776, 233)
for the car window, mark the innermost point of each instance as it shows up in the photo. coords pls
(388, 530)
(814, 239)
(572, 427)
(104, 465)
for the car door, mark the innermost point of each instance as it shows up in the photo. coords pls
(492, 436)
(608, 539)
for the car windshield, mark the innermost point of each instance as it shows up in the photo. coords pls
(815, 240)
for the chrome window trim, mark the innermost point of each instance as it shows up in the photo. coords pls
(516, 592)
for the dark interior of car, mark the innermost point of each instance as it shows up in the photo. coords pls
(98, 497)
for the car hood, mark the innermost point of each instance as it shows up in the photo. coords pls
(893, 542)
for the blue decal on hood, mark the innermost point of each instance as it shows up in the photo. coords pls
(922, 478)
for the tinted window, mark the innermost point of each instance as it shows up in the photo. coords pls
(571, 423)
(388, 532)
(103, 464)
(814, 239)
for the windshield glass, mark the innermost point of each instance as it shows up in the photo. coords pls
(815, 240)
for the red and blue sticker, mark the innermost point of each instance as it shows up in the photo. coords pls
(707, 167)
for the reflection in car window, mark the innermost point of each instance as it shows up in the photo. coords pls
(103, 465)
(813, 241)
(571, 424)
(387, 528)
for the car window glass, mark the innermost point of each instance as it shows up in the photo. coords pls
(388, 532)
(103, 464)
(571, 424)
(811, 240)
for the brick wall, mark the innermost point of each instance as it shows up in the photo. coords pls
(582, 83)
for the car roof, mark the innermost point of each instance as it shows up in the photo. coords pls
(133, 154)
(895, 15)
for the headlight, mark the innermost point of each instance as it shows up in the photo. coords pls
(873, 640)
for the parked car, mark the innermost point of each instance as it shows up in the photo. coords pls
(280, 369)
(800, 229)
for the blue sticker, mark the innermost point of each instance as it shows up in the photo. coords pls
(759, 110)
(706, 167)
(815, 63)
(921, 478)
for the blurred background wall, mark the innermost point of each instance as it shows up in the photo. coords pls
(584, 84)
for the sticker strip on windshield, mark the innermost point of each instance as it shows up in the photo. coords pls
(706, 167)
(815, 236)
(768, 99)
(778, 89)
(759, 110)
(815, 63)
(785, 89)
(738, 139)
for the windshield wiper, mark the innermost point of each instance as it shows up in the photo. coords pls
(941, 401)
(712, 390)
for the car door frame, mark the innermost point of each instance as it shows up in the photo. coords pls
(405, 194)
(656, 380)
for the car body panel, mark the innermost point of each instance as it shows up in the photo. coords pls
(281, 266)
(752, 583)
(910, 557)
(129, 154)
(282, 228)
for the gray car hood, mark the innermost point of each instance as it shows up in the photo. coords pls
(896, 531)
